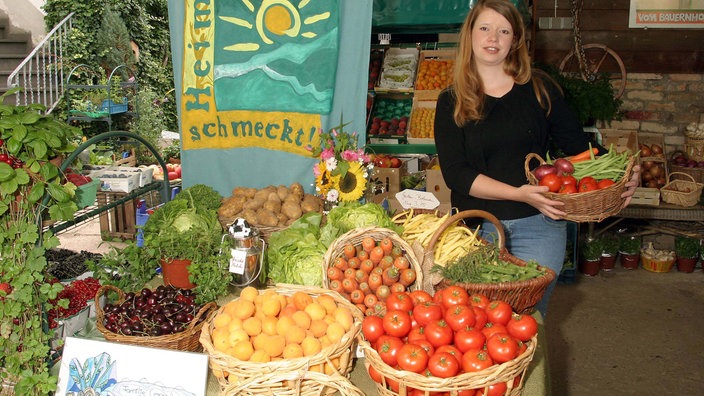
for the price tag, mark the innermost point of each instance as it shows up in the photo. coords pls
(417, 199)
(237, 261)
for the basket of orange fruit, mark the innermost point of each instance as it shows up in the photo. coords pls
(365, 265)
(284, 340)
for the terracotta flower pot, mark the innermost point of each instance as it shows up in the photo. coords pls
(685, 264)
(630, 261)
(589, 267)
(607, 262)
(175, 273)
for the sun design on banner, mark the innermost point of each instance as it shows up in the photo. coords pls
(276, 55)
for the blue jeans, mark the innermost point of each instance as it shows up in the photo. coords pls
(538, 238)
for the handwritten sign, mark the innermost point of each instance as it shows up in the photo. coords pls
(417, 199)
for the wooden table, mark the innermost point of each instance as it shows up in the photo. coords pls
(664, 212)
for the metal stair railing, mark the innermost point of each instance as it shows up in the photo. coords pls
(40, 74)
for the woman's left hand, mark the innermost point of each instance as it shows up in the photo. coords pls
(631, 185)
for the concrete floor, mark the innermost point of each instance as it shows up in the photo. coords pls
(619, 333)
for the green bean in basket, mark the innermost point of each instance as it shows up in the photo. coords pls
(611, 165)
(483, 265)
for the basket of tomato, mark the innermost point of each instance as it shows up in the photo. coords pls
(452, 342)
(366, 265)
(590, 186)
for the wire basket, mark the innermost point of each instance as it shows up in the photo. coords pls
(507, 373)
(521, 295)
(355, 237)
(590, 206)
(681, 192)
(287, 377)
(186, 340)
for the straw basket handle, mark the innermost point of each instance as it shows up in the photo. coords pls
(467, 214)
(529, 175)
(104, 291)
(669, 177)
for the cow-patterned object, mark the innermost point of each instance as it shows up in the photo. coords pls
(240, 228)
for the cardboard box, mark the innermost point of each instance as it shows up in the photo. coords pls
(392, 205)
(623, 140)
(387, 179)
(119, 181)
(436, 184)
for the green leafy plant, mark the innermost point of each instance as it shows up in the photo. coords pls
(590, 100)
(591, 249)
(629, 245)
(31, 190)
(686, 247)
(609, 245)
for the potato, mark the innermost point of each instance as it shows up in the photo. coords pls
(293, 198)
(310, 203)
(267, 218)
(273, 205)
(283, 219)
(263, 194)
(231, 206)
(239, 191)
(249, 192)
(273, 197)
(254, 204)
(292, 210)
(249, 215)
(282, 191)
(297, 190)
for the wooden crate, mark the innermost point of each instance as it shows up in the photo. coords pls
(427, 58)
(646, 196)
(421, 109)
(117, 222)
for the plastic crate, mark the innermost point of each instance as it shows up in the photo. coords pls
(142, 214)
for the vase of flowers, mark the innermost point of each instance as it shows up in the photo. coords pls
(342, 173)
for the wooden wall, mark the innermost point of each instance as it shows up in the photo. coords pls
(606, 22)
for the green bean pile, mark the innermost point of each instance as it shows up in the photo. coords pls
(611, 165)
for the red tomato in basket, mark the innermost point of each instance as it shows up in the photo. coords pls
(412, 358)
(552, 182)
(568, 189)
(502, 348)
(587, 183)
(522, 327)
(605, 183)
(569, 179)
(443, 365)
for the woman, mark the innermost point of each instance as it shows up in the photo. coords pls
(496, 112)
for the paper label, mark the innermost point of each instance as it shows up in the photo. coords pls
(237, 261)
(417, 199)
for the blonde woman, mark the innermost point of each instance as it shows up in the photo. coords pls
(497, 111)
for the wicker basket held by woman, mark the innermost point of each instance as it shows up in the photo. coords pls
(521, 295)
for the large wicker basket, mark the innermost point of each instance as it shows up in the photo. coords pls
(186, 340)
(355, 237)
(500, 373)
(681, 192)
(681, 172)
(521, 295)
(288, 376)
(590, 206)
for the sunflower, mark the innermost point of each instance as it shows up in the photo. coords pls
(352, 185)
(324, 181)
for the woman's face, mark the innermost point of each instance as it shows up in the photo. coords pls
(492, 36)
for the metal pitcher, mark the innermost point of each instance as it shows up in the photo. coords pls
(246, 253)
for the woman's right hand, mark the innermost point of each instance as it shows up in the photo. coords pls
(533, 196)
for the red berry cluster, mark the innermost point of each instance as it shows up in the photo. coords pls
(78, 293)
(78, 179)
(9, 159)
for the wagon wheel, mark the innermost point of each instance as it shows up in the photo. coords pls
(599, 59)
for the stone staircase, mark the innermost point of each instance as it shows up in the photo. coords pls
(14, 47)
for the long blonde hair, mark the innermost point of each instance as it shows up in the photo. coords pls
(467, 85)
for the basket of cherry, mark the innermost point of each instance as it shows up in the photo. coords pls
(166, 317)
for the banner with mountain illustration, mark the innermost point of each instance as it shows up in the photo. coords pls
(258, 79)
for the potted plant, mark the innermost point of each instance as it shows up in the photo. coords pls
(609, 252)
(31, 190)
(687, 251)
(590, 256)
(629, 249)
(591, 100)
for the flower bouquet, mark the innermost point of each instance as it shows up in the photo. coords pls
(343, 171)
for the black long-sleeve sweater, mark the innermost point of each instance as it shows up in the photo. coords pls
(514, 126)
